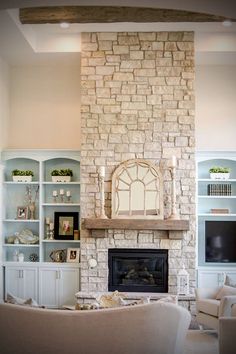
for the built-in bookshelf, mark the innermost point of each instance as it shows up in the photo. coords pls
(216, 201)
(41, 221)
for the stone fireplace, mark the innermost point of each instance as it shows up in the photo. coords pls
(138, 270)
(137, 102)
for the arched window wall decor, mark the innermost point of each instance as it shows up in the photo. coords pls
(137, 190)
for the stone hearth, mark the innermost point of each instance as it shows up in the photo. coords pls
(137, 102)
(187, 302)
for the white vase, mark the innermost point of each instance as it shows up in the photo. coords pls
(22, 179)
(220, 176)
(61, 178)
(21, 257)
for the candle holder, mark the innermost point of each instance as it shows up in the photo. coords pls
(51, 236)
(47, 222)
(68, 198)
(55, 196)
(62, 192)
(174, 214)
(101, 178)
(47, 232)
(51, 231)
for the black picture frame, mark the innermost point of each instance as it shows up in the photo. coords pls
(65, 223)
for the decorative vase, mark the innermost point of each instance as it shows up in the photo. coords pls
(61, 178)
(32, 210)
(21, 257)
(26, 179)
(220, 176)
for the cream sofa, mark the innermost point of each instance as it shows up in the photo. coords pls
(209, 310)
(158, 328)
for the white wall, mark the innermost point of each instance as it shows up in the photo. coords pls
(215, 107)
(4, 114)
(45, 107)
(4, 102)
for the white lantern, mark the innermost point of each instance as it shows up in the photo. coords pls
(183, 282)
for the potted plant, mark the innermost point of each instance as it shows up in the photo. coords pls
(22, 176)
(62, 175)
(218, 172)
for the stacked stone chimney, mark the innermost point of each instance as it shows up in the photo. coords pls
(137, 102)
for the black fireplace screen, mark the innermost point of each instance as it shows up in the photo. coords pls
(138, 270)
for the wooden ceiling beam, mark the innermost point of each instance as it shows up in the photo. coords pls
(109, 14)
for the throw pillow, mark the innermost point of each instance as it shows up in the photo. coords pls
(114, 299)
(229, 281)
(170, 298)
(11, 299)
(225, 291)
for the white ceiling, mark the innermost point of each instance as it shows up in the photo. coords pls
(45, 44)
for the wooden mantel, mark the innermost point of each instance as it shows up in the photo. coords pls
(136, 224)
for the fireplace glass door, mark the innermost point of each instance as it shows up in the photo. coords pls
(138, 270)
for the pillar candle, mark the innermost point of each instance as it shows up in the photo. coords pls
(173, 161)
(47, 221)
(102, 171)
(54, 193)
(61, 191)
(68, 193)
(51, 226)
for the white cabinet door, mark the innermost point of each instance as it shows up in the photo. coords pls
(48, 287)
(22, 282)
(14, 284)
(68, 286)
(57, 286)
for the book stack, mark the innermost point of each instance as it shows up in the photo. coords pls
(219, 189)
(220, 211)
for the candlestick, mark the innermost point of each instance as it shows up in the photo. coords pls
(174, 214)
(101, 176)
(51, 231)
(55, 195)
(51, 235)
(47, 222)
(68, 196)
(62, 192)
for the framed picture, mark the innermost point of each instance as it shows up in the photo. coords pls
(72, 255)
(64, 225)
(22, 212)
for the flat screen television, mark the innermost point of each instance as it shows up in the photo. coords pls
(220, 241)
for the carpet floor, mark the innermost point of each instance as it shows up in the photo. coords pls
(201, 342)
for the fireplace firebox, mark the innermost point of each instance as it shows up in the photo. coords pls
(138, 270)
